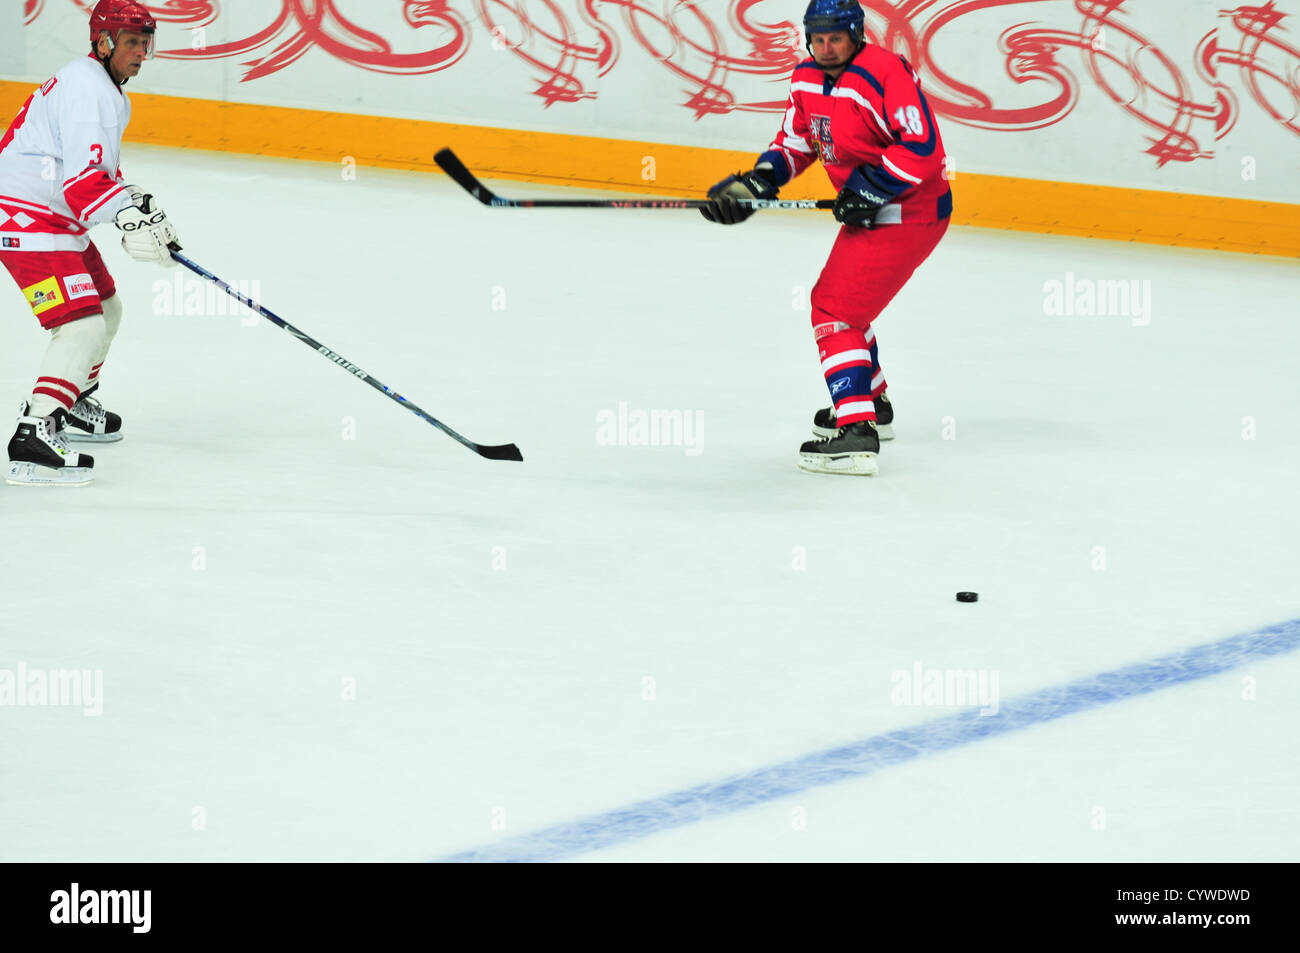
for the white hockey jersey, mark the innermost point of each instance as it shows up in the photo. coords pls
(59, 170)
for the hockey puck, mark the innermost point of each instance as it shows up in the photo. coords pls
(968, 597)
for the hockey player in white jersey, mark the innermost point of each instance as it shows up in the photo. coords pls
(59, 176)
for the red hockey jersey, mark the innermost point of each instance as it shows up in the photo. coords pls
(873, 117)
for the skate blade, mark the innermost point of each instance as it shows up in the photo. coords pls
(884, 431)
(33, 474)
(848, 464)
(83, 436)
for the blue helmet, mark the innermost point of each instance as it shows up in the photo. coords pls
(826, 16)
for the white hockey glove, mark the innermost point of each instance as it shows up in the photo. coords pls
(146, 231)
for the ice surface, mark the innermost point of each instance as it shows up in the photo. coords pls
(327, 631)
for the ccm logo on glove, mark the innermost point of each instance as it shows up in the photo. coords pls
(147, 235)
(156, 219)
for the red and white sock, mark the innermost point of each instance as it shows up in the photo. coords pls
(847, 365)
(112, 320)
(74, 349)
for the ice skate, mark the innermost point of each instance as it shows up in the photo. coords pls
(89, 421)
(851, 451)
(824, 420)
(39, 454)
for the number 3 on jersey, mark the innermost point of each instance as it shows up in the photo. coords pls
(97, 154)
(909, 118)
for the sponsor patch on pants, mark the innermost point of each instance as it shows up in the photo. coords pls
(79, 286)
(44, 295)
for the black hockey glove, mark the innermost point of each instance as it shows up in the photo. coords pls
(860, 201)
(725, 206)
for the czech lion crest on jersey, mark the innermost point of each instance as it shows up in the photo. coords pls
(820, 127)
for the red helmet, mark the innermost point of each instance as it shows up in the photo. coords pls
(110, 16)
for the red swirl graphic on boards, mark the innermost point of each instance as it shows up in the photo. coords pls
(300, 26)
(1263, 54)
(572, 53)
(570, 45)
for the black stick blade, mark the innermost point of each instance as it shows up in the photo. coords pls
(449, 163)
(506, 451)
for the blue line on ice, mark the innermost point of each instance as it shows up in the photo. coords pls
(865, 757)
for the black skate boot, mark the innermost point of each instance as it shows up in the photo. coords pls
(89, 421)
(39, 454)
(824, 419)
(852, 451)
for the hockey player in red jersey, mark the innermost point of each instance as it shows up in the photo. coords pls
(860, 110)
(59, 176)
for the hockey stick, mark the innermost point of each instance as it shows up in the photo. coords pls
(504, 452)
(462, 176)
